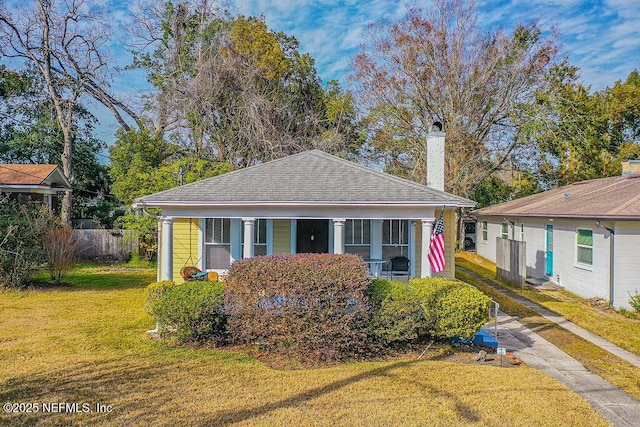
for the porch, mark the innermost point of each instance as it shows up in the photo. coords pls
(212, 243)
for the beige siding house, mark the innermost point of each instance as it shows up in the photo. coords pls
(584, 237)
(36, 182)
(308, 202)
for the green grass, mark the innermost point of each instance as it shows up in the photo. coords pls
(86, 342)
(611, 327)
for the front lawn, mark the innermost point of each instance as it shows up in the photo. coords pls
(87, 343)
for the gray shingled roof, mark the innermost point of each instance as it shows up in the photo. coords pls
(606, 198)
(308, 177)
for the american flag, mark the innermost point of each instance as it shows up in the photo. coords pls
(436, 247)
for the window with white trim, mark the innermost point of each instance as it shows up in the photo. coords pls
(485, 231)
(395, 238)
(504, 232)
(217, 243)
(357, 239)
(259, 237)
(584, 246)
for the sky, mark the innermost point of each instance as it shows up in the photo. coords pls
(601, 37)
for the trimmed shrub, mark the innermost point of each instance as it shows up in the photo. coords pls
(313, 306)
(451, 308)
(189, 312)
(396, 312)
(154, 291)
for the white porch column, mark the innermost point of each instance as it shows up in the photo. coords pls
(166, 256)
(249, 225)
(425, 270)
(338, 236)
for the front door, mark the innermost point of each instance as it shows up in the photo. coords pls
(549, 252)
(312, 236)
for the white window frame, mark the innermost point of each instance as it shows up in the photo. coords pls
(504, 230)
(213, 243)
(350, 239)
(579, 263)
(257, 243)
(403, 227)
(485, 231)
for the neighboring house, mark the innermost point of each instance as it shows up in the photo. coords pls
(36, 182)
(584, 237)
(308, 202)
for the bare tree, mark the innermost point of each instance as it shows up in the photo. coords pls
(65, 41)
(437, 65)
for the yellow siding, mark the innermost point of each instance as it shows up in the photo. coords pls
(281, 236)
(449, 244)
(185, 245)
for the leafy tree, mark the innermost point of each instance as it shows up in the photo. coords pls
(142, 163)
(576, 135)
(437, 65)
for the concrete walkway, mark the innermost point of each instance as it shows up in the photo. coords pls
(618, 407)
(572, 327)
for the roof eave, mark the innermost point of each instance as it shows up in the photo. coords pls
(138, 204)
(563, 216)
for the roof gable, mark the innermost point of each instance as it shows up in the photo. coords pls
(615, 198)
(19, 174)
(308, 177)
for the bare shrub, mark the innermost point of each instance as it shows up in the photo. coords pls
(60, 251)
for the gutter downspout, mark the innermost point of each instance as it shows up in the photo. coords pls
(612, 237)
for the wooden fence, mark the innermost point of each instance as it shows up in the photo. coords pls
(98, 243)
(511, 261)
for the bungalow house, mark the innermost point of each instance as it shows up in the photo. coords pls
(36, 182)
(584, 237)
(307, 202)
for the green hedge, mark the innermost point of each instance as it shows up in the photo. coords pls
(396, 312)
(188, 312)
(312, 306)
(444, 308)
(451, 308)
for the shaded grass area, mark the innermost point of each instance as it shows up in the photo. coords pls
(599, 361)
(86, 343)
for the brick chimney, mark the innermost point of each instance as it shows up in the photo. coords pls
(435, 157)
(630, 167)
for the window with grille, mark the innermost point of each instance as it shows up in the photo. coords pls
(504, 231)
(357, 239)
(259, 237)
(217, 243)
(395, 238)
(485, 231)
(584, 246)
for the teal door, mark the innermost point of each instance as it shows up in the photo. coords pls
(549, 265)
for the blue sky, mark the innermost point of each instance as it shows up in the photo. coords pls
(601, 37)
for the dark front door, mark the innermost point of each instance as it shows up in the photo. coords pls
(312, 236)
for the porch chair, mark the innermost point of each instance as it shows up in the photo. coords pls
(398, 266)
